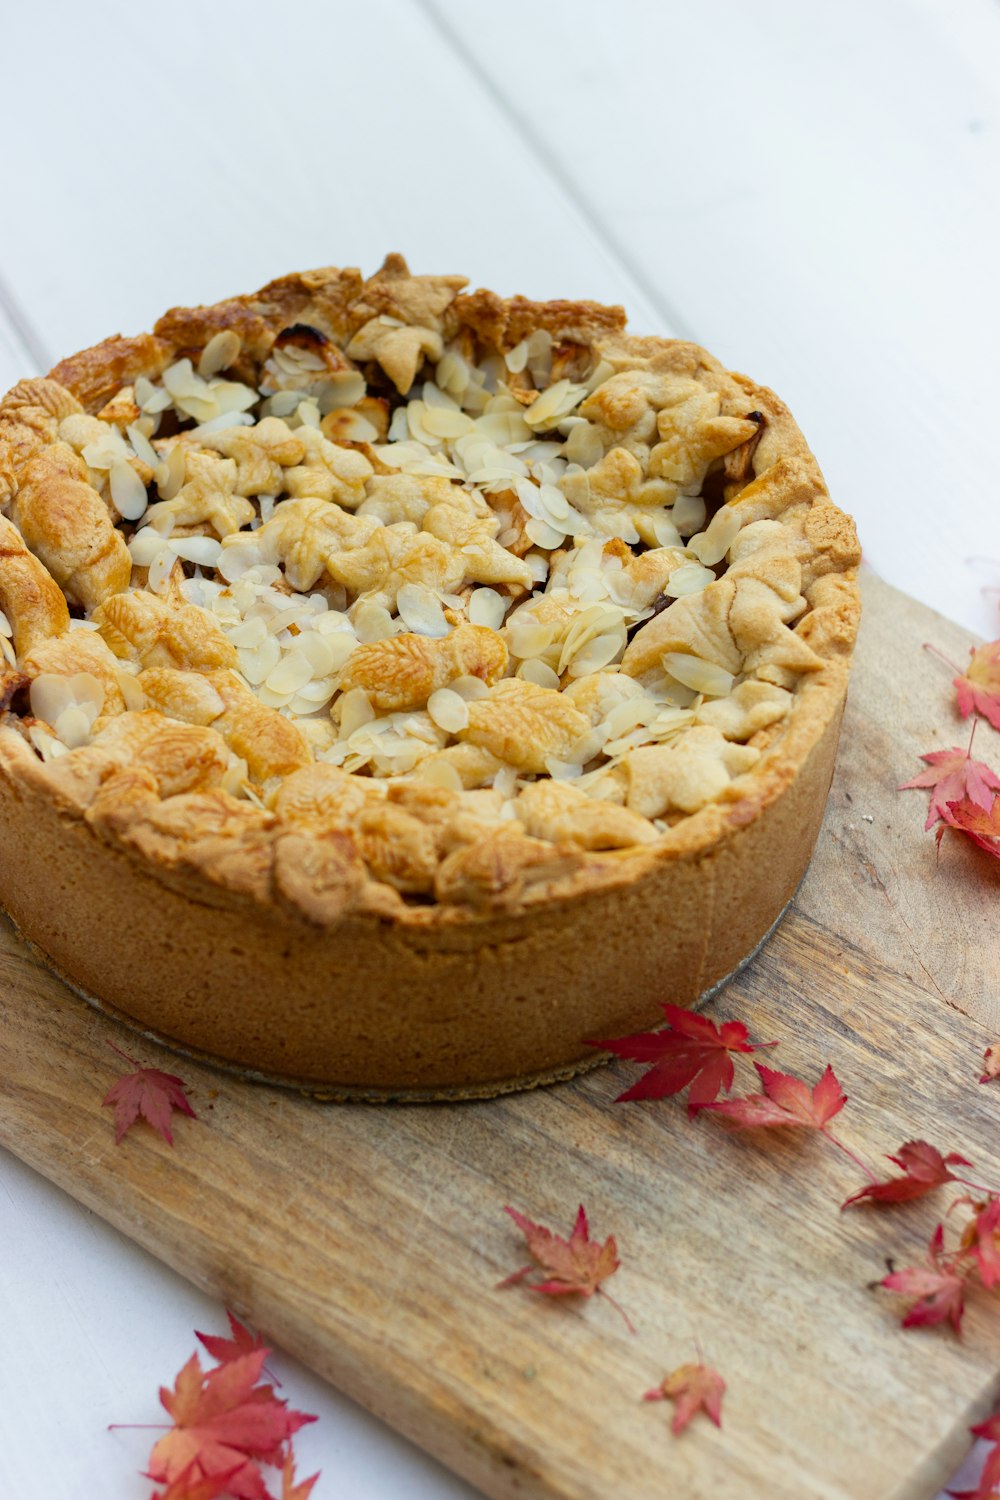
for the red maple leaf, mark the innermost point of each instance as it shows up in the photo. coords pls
(978, 688)
(147, 1093)
(289, 1489)
(981, 825)
(938, 1289)
(691, 1388)
(785, 1101)
(991, 1063)
(224, 1423)
(924, 1169)
(954, 777)
(242, 1342)
(981, 1240)
(691, 1049)
(577, 1266)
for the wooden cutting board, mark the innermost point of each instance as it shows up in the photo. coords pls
(369, 1240)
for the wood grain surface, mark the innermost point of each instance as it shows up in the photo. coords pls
(369, 1240)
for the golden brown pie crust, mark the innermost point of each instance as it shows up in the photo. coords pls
(260, 934)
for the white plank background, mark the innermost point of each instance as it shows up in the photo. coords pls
(810, 191)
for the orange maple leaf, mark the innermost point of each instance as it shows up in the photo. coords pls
(149, 1094)
(691, 1388)
(981, 1240)
(224, 1423)
(981, 826)
(577, 1266)
(289, 1489)
(978, 688)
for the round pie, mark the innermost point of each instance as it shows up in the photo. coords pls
(402, 686)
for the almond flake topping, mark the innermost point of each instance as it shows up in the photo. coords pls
(413, 551)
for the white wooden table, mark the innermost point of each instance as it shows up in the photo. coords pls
(812, 192)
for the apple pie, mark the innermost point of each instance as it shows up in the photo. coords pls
(401, 685)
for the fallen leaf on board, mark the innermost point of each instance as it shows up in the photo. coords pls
(785, 1101)
(982, 826)
(691, 1388)
(978, 688)
(981, 1240)
(147, 1093)
(991, 1063)
(577, 1266)
(221, 1419)
(937, 1290)
(924, 1169)
(954, 777)
(692, 1049)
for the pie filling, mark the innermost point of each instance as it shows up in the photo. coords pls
(409, 582)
